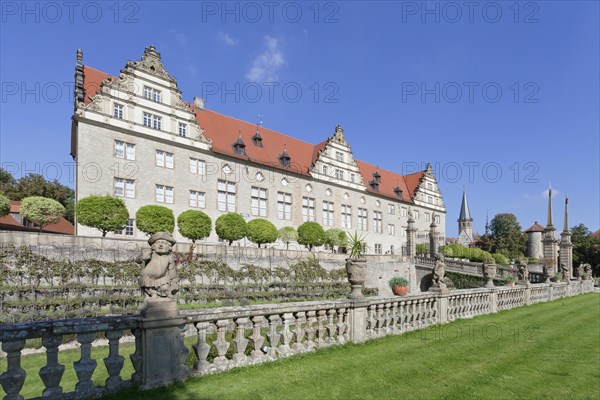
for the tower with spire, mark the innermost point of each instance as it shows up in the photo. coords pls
(566, 247)
(465, 223)
(549, 242)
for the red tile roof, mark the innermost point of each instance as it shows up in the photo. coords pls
(535, 228)
(8, 222)
(596, 235)
(223, 131)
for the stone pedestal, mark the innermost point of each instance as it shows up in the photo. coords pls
(358, 321)
(159, 307)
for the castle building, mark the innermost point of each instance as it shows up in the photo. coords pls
(134, 137)
(465, 223)
(534, 241)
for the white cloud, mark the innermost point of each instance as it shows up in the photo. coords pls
(555, 193)
(266, 65)
(227, 39)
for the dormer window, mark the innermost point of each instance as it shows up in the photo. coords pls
(376, 177)
(398, 191)
(239, 147)
(257, 139)
(285, 158)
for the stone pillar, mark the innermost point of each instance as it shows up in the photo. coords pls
(443, 308)
(411, 231)
(527, 295)
(432, 238)
(493, 301)
(358, 321)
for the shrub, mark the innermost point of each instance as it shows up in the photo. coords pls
(4, 205)
(230, 227)
(336, 237)
(194, 225)
(151, 219)
(261, 231)
(500, 259)
(311, 234)
(508, 278)
(105, 213)
(41, 210)
(422, 248)
(287, 235)
(397, 282)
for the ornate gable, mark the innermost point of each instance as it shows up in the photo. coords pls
(427, 192)
(333, 161)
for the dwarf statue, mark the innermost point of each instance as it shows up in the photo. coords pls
(159, 276)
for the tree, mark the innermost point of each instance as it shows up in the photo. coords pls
(194, 225)
(287, 235)
(586, 249)
(105, 213)
(231, 227)
(311, 234)
(422, 248)
(41, 210)
(336, 237)
(151, 219)
(4, 205)
(261, 231)
(506, 236)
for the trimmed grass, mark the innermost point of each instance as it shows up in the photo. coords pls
(548, 350)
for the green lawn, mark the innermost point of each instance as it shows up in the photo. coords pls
(545, 351)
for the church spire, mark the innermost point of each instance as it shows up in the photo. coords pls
(465, 214)
(550, 206)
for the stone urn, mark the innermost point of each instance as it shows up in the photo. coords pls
(357, 273)
(489, 272)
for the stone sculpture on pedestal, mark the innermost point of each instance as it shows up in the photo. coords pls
(437, 282)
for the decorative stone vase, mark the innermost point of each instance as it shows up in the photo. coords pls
(489, 271)
(400, 290)
(357, 273)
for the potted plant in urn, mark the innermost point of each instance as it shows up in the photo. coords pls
(356, 265)
(557, 278)
(509, 280)
(399, 286)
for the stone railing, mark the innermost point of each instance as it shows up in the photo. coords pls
(233, 336)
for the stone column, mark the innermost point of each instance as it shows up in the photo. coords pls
(432, 238)
(443, 308)
(358, 321)
(411, 231)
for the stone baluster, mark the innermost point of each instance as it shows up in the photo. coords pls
(346, 320)
(52, 373)
(286, 334)
(310, 329)
(393, 317)
(371, 321)
(257, 339)
(221, 344)
(240, 343)
(387, 318)
(114, 362)
(419, 313)
(84, 368)
(13, 379)
(413, 314)
(321, 316)
(331, 327)
(341, 326)
(273, 336)
(379, 331)
(298, 331)
(137, 357)
(201, 348)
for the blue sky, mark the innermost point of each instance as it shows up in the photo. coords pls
(502, 98)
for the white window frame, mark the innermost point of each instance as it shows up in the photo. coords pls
(377, 222)
(164, 194)
(391, 209)
(363, 219)
(197, 199)
(197, 166)
(153, 94)
(124, 187)
(284, 206)
(328, 213)
(152, 121)
(258, 201)
(339, 174)
(182, 130)
(226, 196)
(346, 216)
(308, 209)
(339, 156)
(118, 110)
(391, 229)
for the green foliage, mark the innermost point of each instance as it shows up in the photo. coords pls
(311, 234)
(230, 227)
(336, 237)
(557, 277)
(4, 205)
(152, 219)
(506, 236)
(500, 259)
(105, 213)
(41, 210)
(586, 249)
(194, 225)
(287, 235)
(422, 248)
(472, 254)
(508, 278)
(357, 245)
(261, 231)
(397, 282)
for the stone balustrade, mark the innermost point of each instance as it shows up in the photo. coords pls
(233, 336)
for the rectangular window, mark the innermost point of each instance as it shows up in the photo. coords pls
(437, 219)
(427, 217)
(164, 194)
(258, 201)
(346, 217)
(325, 170)
(351, 177)
(182, 129)
(127, 229)
(339, 156)
(362, 219)
(430, 199)
(118, 111)
(377, 222)
(377, 248)
(226, 196)
(403, 232)
(124, 150)
(391, 229)
(416, 215)
(197, 166)
(429, 186)
(197, 199)
(403, 211)
(308, 209)
(327, 213)
(124, 187)
(339, 174)
(152, 94)
(152, 121)
(284, 206)
(391, 209)
(164, 159)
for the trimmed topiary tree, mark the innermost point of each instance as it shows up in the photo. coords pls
(41, 210)
(287, 235)
(336, 237)
(4, 205)
(261, 231)
(194, 225)
(311, 234)
(151, 219)
(230, 227)
(105, 213)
